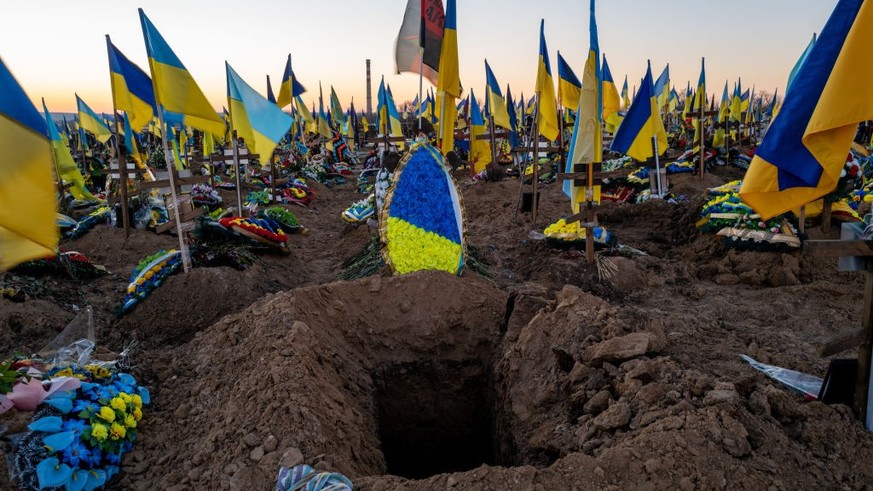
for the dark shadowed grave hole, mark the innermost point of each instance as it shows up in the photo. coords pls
(435, 416)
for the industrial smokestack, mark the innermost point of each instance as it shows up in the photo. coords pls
(369, 92)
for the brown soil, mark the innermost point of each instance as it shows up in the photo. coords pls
(543, 377)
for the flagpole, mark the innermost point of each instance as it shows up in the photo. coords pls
(235, 145)
(658, 165)
(168, 160)
(420, 80)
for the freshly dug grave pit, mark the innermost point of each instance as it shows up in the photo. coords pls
(383, 375)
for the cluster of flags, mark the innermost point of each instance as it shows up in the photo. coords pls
(799, 160)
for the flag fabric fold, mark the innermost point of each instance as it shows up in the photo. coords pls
(448, 81)
(132, 89)
(290, 87)
(480, 149)
(569, 86)
(26, 184)
(64, 163)
(496, 101)
(804, 151)
(89, 121)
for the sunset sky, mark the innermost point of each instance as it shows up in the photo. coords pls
(57, 48)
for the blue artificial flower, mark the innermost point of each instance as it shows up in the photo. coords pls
(62, 401)
(145, 396)
(85, 408)
(76, 453)
(91, 391)
(113, 458)
(51, 473)
(75, 425)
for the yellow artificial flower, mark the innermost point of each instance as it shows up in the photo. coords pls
(130, 421)
(117, 431)
(137, 400)
(118, 403)
(66, 372)
(124, 396)
(99, 431)
(137, 414)
(106, 413)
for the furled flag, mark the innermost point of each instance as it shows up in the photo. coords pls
(64, 163)
(547, 117)
(569, 86)
(625, 98)
(480, 150)
(260, 122)
(419, 42)
(175, 88)
(496, 102)
(305, 115)
(290, 87)
(586, 145)
(804, 151)
(513, 120)
(270, 96)
(89, 121)
(132, 90)
(642, 124)
(723, 114)
(448, 81)
(700, 97)
(27, 194)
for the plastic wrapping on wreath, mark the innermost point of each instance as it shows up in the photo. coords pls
(75, 343)
(808, 385)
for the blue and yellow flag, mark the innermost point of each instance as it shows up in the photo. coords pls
(513, 119)
(547, 117)
(569, 86)
(737, 102)
(480, 149)
(336, 109)
(642, 124)
(27, 194)
(662, 88)
(132, 90)
(290, 88)
(586, 144)
(611, 100)
(625, 97)
(64, 163)
(496, 102)
(700, 98)
(175, 88)
(89, 121)
(133, 147)
(256, 119)
(305, 115)
(270, 96)
(393, 117)
(724, 111)
(448, 81)
(804, 151)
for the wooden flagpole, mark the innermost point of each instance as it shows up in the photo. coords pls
(171, 171)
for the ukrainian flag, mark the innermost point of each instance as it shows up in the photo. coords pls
(393, 116)
(306, 116)
(569, 86)
(495, 99)
(723, 114)
(336, 109)
(662, 87)
(586, 145)
(448, 80)
(132, 90)
(255, 118)
(700, 98)
(641, 124)
(611, 100)
(290, 87)
(547, 110)
(89, 121)
(64, 163)
(625, 98)
(737, 102)
(27, 193)
(175, 88)
(513, 119)
(133, 148)
(804, 151)
(270, 96)
(480, 150)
